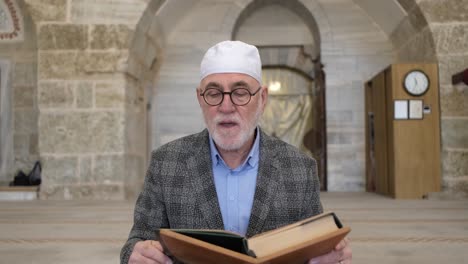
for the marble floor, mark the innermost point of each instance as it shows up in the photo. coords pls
(383, 230)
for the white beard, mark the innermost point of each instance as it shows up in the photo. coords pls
(233, 141)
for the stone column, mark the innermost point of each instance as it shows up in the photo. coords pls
(448, 22)
(142, 67)
(436, 31)
(81, 123)
(83, 50)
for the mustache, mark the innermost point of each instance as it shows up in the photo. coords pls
(226, 118)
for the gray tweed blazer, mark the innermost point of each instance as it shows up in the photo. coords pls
(179, 190)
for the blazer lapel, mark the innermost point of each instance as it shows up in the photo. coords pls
(265, 190)
(203, 183)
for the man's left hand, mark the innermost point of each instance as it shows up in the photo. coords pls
(340, 255)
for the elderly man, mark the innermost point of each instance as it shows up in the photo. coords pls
(230, 176)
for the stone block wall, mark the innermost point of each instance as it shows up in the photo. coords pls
(448, 21)
(443, 39)
(83, 49)
(82, 83)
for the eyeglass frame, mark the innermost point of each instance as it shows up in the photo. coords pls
(230, 95)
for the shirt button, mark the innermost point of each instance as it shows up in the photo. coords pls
(231, 198)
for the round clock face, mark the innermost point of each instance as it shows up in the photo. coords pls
(416, 83)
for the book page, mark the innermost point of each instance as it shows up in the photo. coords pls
(272, 242)
(212, 232)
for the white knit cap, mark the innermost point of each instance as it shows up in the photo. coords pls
(232, 57)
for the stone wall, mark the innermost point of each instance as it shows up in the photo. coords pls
(82, 59)
(437, 31)
(80, 96)
(448, 22)
(412, 39)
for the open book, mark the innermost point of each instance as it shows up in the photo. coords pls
(294, 243)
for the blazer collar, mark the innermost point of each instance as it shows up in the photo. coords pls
(267, 183)
(203, 181)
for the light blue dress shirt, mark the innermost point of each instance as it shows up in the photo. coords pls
(236, 187)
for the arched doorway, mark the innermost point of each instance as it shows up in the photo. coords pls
(296, 108)
(288, 113)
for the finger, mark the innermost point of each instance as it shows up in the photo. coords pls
(150, 252)
(341, 245)
(342, 252)
(137, 258)
(332, 257)
(314, 261)
(345, 261)
(153, 250)
(347, 253)
(157, 245)
(338, 255)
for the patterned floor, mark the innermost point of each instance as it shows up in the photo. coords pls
(383, 230)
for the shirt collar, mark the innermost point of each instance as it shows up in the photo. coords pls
(252, 158)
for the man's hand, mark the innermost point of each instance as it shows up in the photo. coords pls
(148, 252)
(340, 255)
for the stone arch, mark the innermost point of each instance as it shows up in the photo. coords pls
(295, 6)
(304, 59)
(295, 58)
(224, 29)
(144, 59)
(413, 34)
(12, 24)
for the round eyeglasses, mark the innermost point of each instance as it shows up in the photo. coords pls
(239, 96)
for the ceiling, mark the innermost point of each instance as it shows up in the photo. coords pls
(387, 14)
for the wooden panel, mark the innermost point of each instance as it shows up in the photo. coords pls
(406, 152)
(416, 143)
(369, 132)
(380, 136)
(389, 84)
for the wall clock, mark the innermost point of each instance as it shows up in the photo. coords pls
(416, 83)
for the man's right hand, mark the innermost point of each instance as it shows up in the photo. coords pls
(148, 252)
